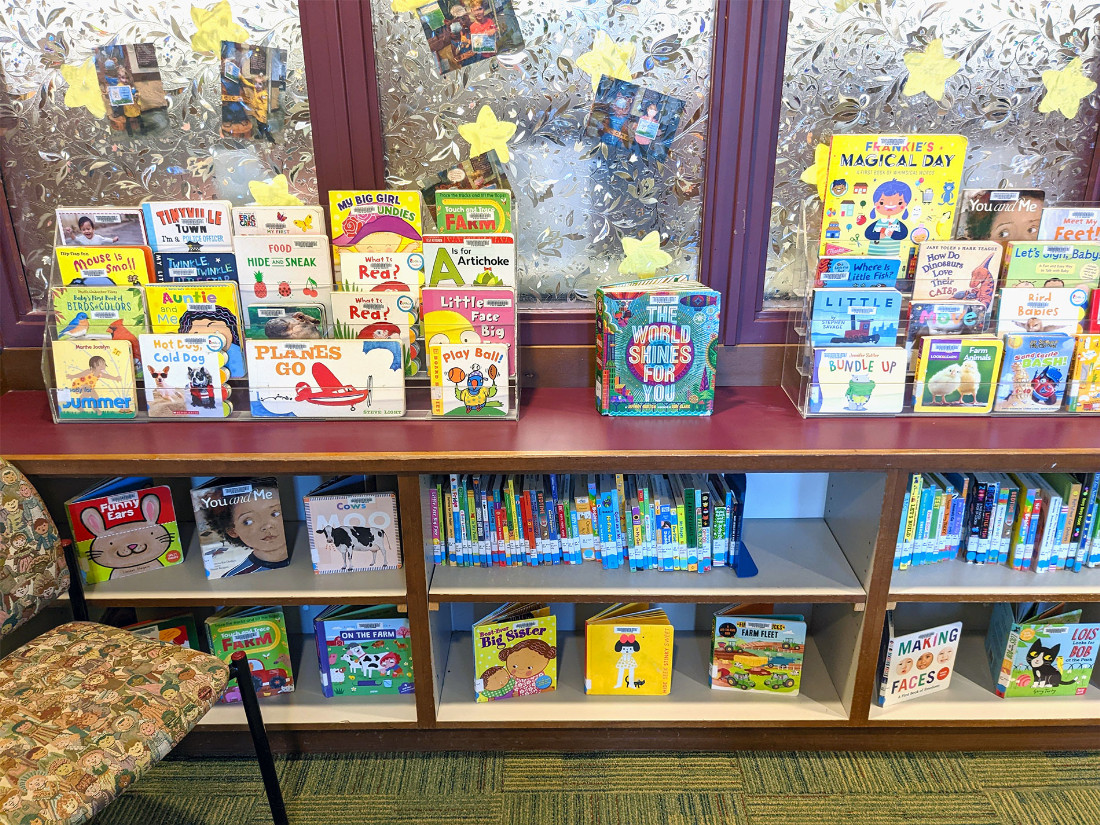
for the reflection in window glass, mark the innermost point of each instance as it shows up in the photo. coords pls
(845, 72)
(116, 103)
(579, 187)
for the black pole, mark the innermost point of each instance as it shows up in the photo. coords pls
(76, 583)
(239, 666)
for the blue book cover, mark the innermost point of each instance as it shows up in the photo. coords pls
(175, 267)
(856, 271)
(1034, 372)
(855, 317)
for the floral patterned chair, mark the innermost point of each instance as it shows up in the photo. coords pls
(87, 709)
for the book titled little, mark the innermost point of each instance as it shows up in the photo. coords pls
(470, 315)
(855, 317)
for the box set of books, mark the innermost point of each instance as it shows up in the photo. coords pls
(926, 298)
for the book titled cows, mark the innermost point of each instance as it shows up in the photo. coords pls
(351, 527)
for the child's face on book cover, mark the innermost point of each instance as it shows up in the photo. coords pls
(259, 524)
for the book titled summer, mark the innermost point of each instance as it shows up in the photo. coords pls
(94, 379)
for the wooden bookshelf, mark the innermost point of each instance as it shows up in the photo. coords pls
(957, 581)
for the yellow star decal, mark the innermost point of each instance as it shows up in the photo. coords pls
(929, 70)
(406, 5)
(84, 88)
(215, 24)
(274, 193)
(844, 5)
(1065, 89)
(606, 58)
(818, 174)
(487, 133)
(643, 258)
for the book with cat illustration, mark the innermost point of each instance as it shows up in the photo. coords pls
(240, 526)
(363, 651)
(124, 526)
(916, 664)
(352, 527)
(1040, 649)
(261, 633)
(186, 376)
(176, 630)
(515, 652)
(628, 651)
(957, 271)
(94, 379)
(761, 652)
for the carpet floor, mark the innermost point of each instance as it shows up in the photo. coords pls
(749, 788)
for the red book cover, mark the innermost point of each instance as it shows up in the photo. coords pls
(1094, 311)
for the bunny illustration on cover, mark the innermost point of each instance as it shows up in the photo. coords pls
(132, 547)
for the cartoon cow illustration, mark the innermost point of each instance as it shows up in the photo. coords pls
(348, 540)
(368, 663)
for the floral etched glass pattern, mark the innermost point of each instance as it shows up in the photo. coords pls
(574, 201)
(54, 155)
(845, 73)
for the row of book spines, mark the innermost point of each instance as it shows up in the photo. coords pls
(656, 522)
(1032, 521)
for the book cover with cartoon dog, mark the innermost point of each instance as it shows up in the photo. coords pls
(122, 527)
(200, 309)
(363, 651)
(352, 527)
(515, 652)
(628, 651)
(185, 376)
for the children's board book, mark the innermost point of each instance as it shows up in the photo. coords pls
(918, 663)
(957, 374)
(375, 221)
(240, 526)
(200, 309)
(94, 379)
(476, 260)
(656, 348)
(381, 271)
(1036, 649)
(887, 192)
(855, 317)
(188, 226)
(515, 652)
(181, 267)
(363, 651)
(261, 633)
(124, 526)
(326, 379)
(1084, 388)
(856, 271)
(185, 376)
(351, 528)
(999, 214)
(957, 271)
(473, 211)
(278, 220)
(1071, 223)
(1053, 264)
(299, 321)
(373, 316)
(757, 652)
(96, 226)
(174, 630)
(628, 651)
(1041, 309)
(283, 269)
(98, 312)
(860, 380)
(104, 266)
(947, 318)
(470, 315)
(469, 380)
(1035, 372)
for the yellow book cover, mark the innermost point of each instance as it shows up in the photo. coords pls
(628, 651)
(957, 374)
(1084, 390)
(375, 221)
(104, 266)
(94, 379)
(203, 308)
(515, 652)
(885, 193)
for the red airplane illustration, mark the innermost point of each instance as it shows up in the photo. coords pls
(330, 392)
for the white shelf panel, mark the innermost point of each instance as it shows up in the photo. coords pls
(956, 579)
(306, 707)
(970, 698)
(187, 584)
(799, 560)
(692, 701)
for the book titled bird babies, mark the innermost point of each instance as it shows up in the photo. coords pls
(957, 374)
(1034, 376)
(855, 317)
(515, 652)
(470, 315)
(326, 379)
(957, 271)
(628, 651)
(94, 379)
(122, 527)
(856, 271)
(1052, 264)
(183, 267)
(278, 220)
(763, 653)
(104, 266)
(351, 528)
(374, 221)
(363, 651)
(261, 633)
(188, 226)
(186, 376)
(470, 260)
(918, 663)
(469, 380)
(1041, 309)
(98, 311)
(1035, 649)
(866, 380)
(1084, 392)
(284, 268)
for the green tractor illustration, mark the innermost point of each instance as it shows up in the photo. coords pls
(779, 680)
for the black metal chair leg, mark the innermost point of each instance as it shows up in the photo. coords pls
(76, 583)
(240, 669)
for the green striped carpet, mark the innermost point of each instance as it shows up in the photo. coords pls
(752, 788)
